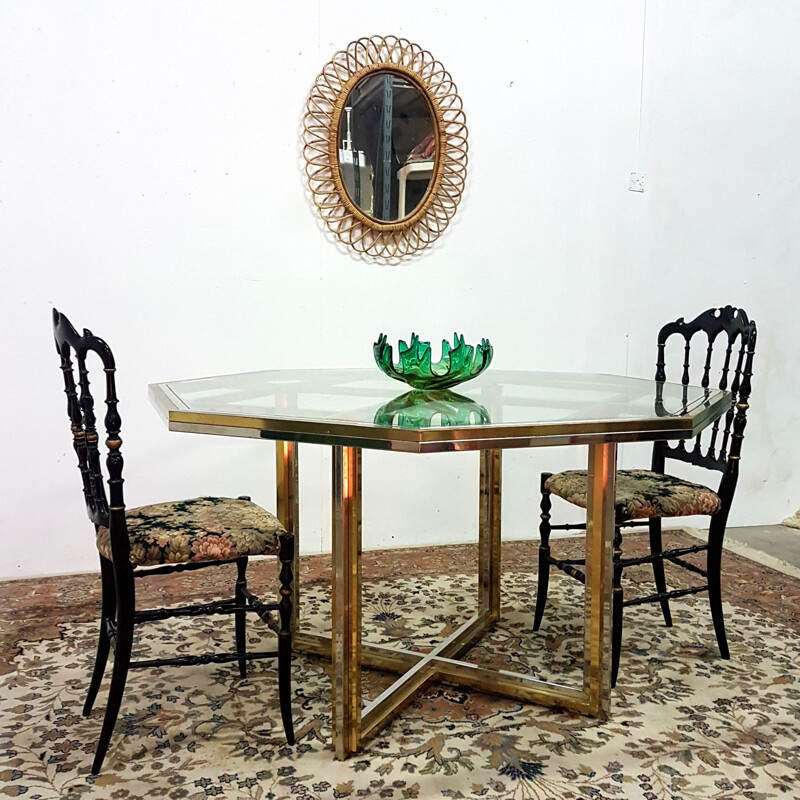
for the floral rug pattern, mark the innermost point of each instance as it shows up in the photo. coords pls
(684, 724)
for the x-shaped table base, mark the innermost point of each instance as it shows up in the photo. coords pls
(354, 724)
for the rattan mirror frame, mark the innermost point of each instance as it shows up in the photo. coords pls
(362, 232)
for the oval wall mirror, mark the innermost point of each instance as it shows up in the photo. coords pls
(385, 145)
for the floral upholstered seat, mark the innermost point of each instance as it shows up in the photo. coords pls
(640, 493)
(201, 529)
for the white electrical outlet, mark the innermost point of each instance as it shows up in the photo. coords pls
(636, 182)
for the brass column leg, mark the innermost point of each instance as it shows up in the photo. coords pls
(288, 512)
(599, 538)
(346, 600)
(489, 534)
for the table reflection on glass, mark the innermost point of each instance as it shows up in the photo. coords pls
(350, 410)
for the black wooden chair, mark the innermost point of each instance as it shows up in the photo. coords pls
(728, 341)
(161, 539)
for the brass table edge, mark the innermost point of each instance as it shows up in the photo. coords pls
(452, 438)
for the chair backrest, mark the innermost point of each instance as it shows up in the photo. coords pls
(724, 346)
(108, 511)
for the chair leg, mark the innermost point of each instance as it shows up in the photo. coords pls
(616, 605)
(543, 577)
(286, 557)
(241, 616)
(122, 659)
(716, 535)
(108, 611)
(654, 523)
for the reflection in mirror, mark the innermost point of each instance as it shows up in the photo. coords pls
(387, 146)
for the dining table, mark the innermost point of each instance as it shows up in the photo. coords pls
(351, 410)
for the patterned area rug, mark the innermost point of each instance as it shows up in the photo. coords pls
(684, 723)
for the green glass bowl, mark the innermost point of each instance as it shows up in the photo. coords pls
(458, 363)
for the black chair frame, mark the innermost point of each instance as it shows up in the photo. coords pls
(119, 615)
(731, 327)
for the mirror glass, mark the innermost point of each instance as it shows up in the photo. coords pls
(387, 146)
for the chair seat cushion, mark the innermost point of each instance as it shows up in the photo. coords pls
(640, 493)
(201, 529)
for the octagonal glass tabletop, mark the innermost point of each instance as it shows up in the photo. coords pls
(362, 407)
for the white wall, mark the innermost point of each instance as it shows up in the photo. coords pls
(151, 186)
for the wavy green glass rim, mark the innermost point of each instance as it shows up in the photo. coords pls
(459, 362)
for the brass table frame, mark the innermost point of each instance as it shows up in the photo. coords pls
(352, 724)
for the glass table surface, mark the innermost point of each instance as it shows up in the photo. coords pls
(365, 408)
